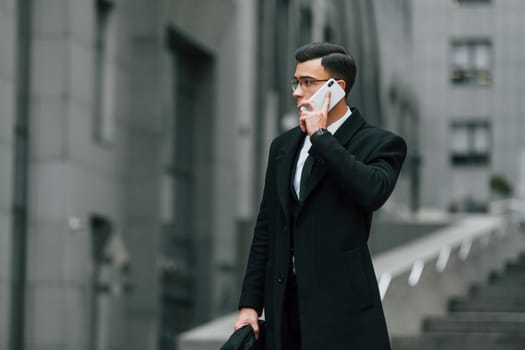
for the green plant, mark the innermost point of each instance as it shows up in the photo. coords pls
(500, 185)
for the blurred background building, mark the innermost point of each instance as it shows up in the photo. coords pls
(134, 137)
(452, 75)
(134, 141)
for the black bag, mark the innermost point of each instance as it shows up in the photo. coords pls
(244, 339)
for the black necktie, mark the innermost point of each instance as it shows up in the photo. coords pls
(305, 174)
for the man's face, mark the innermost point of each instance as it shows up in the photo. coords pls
(311, 76)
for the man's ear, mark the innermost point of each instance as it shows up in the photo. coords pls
(342, 84)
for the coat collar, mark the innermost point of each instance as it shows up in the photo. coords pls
(286, 158)
(349, 127)
(285, 165)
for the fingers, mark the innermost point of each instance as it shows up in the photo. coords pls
(306, 106)
(302, 125)
(248, 316)
(326, 102)
(254, 325)
(239, 324)
(242, 320)
(313, 120)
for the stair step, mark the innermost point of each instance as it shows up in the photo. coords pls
(507, 281)
(515, 267)
(508, 323)
(484, 304)
(495, 299)
(513, 274)
(511, 269)
(497, 291)
(459, 341)
(499, 299)
(506, 275)
(491, 317)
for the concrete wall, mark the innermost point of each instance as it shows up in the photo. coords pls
(71, 175)
(142, 164)
(400, 105)
(7, 116)
(388, 234)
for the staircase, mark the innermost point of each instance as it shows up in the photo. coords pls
(491, 317)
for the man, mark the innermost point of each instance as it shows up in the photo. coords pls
(309, 266)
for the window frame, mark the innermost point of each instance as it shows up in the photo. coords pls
(470, 156)
(105, 75)
(470, 75)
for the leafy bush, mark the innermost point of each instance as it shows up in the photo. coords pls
(500, 185)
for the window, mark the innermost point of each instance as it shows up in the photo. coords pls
(105, 70)
(470, 142)
(470, 62)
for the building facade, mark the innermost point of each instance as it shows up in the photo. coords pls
(133, 142)
(8, 23)
(462, 63)
(401, 110)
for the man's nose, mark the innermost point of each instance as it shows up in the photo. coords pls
(298, 92)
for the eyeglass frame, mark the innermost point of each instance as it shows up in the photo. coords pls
(295, 83)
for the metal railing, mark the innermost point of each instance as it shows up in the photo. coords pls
(436, 249)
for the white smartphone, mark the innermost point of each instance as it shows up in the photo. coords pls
(337, 93)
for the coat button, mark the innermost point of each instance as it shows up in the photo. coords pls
(280, 279)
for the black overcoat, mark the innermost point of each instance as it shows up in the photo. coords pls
(354, 173)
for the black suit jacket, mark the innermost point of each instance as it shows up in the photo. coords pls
(354, 173)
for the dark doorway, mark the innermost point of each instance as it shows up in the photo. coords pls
(185, 251)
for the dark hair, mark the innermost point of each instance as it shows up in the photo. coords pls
(335, 59)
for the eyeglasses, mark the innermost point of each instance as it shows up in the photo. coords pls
(304, 82)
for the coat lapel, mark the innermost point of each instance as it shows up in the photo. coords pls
(343, 135)
(285, 164)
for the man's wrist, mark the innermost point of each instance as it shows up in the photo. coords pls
(320, 132)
